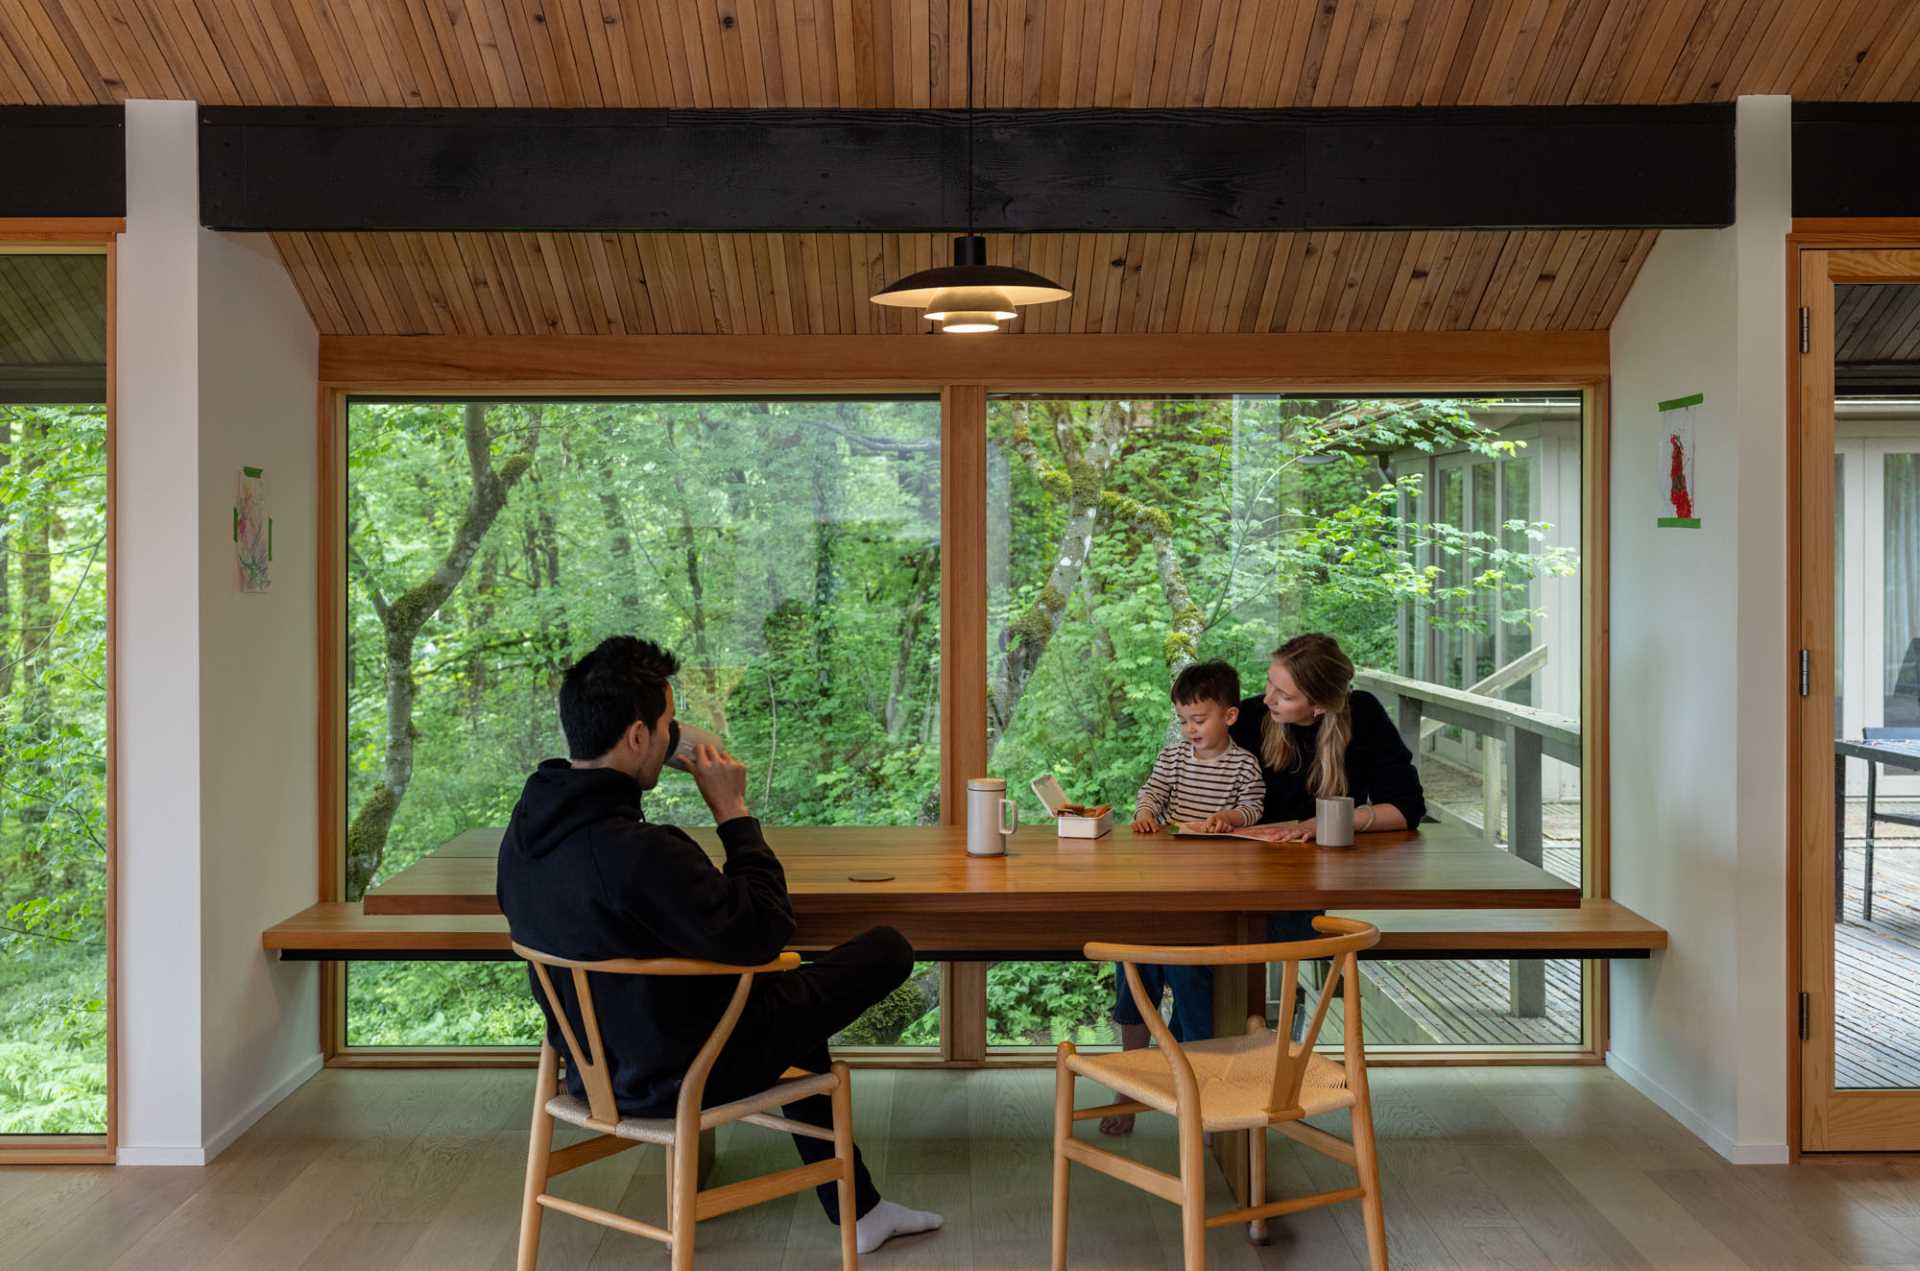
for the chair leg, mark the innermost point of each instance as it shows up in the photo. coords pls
(684, 1184)
(1193, 1195)
(843, 1153)
(1257, 1181)
(539, 1152)
(1367, 1166)
(1062, 1131)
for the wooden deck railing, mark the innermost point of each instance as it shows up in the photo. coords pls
(1526, 737)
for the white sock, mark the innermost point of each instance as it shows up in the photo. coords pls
(886, 1220)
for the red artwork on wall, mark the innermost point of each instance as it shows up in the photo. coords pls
(1678, 496)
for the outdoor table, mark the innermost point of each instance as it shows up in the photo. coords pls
(1893, 752)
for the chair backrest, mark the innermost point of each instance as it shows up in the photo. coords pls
(1341, 941)
(591, 1060)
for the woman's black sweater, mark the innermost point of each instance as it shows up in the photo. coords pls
(1379, 767)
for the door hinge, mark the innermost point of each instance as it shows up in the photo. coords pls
(1804, 1007)
(1806, 336)
(1806, 672)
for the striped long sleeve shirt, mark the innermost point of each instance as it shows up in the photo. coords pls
(1184, 787)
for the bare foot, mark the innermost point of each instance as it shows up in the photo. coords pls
(1117, 1124)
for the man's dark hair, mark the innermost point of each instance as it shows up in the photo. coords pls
(1207, 682)
(624, 679)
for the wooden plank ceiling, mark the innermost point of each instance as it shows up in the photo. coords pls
(911, 53)
(907, 53)
(1876, 324)
(53, 312)
(817, 284)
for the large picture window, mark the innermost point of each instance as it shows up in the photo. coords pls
(1437, 537)
(53, 694)
(788, 550)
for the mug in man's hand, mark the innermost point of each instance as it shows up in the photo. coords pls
(687, 736)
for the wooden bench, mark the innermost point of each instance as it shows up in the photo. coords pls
(340, 932)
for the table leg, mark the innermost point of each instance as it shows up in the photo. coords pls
(1839, 838)
(1239, 992)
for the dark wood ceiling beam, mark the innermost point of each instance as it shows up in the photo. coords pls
(63, 161)
(1856, 159)
(1036, 171)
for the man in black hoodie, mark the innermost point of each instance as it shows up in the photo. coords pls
(583, 875)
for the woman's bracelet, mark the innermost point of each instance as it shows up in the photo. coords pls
(1371, 815)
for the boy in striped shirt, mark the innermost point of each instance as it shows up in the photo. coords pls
(1209, 784)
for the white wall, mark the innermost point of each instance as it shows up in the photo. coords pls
(218, 722)
(259, 703)
(1699, 666)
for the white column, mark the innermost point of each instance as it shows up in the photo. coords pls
(157, 649)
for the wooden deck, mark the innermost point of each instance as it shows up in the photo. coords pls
(1464, 1003)
(1877, 972)
(1877, 969)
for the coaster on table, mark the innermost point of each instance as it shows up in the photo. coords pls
(870, 878)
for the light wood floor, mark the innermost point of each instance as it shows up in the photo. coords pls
(1510, 1167)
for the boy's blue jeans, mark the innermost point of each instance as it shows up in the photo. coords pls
(1192, 998)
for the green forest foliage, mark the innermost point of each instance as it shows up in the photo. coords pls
(53, 640)
(789, 551)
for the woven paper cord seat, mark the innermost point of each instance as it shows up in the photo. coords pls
(1235, 1075)
(660, 1129)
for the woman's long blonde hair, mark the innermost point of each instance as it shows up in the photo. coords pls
(1324, 675)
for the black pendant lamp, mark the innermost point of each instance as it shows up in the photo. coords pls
(970, 295)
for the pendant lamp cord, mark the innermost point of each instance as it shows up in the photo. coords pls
(970, 4)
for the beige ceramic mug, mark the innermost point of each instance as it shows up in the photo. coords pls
(991, 816)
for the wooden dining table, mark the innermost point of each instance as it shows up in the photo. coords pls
(1048, 896)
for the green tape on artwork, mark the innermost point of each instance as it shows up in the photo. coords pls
(236, 525)
(1681, 403)
(1678, 522)
(254, 472)
(269, 538)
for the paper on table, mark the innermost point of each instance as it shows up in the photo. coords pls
(1258, 833)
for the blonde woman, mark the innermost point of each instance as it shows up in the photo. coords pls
(1317, 738)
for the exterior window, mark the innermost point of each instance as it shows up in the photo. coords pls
(53, 694)
(787, 550)
(1131, 536)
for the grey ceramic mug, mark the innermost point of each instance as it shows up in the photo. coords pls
(1333, 822)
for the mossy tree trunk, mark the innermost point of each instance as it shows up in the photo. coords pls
(36, 609)
(401, 620)
(1088, 457)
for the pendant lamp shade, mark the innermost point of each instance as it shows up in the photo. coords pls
(970, 295)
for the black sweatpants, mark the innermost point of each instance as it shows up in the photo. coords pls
(786, 1023)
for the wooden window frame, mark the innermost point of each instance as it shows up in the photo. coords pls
(954, 368)
(88, 236)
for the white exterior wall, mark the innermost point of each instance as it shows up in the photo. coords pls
(1699, 667)
(217, 712)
